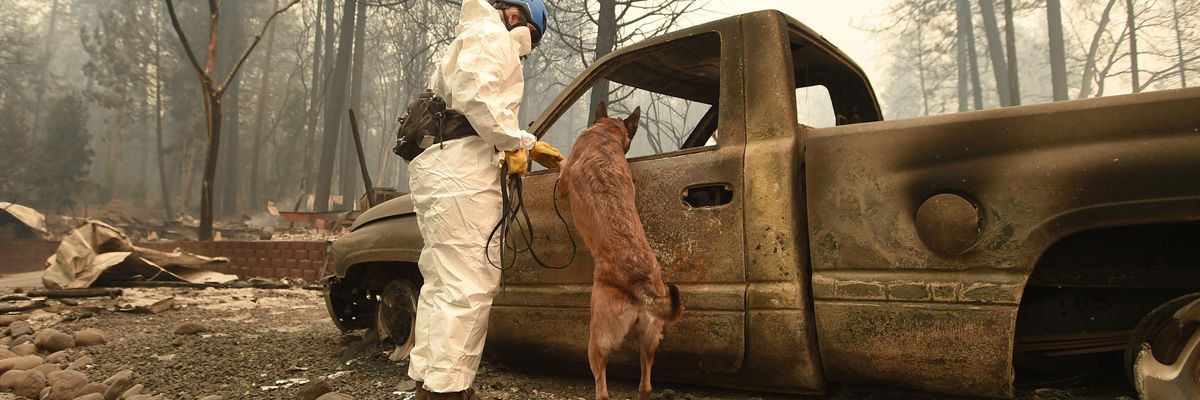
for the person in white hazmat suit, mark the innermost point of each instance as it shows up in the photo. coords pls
(456, 189)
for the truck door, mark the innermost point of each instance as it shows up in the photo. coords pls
(686, 160)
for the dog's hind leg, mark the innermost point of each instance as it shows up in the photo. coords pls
(651, 329)
(612, 316)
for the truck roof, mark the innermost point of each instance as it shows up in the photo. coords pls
(693, 53)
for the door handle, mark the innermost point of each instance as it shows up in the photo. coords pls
(708, 195)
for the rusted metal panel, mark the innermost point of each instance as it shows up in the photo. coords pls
(776, 240)
(982, 286)
(705, 342)
(949, 348)
(1036, 173)
(708, 297)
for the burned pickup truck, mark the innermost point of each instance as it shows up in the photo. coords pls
(816, 244)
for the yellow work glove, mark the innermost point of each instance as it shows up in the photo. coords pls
(546, 155)
(517, 161)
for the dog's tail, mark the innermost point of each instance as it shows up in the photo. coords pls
(669, 307)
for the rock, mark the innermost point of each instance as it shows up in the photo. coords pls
(47, 368)
(95, 388)
(371, 336)
(190, 328)
(19, 328)
(123, 374)
(6, 353)
(335, 396)
(91, 396)
(7, 320)
(667, 394)
(21, 340)
(81, 363)
(58, 357)
(24, 349)
(117, 386)
(10, 378)
(53, 340)
(140, 397)
(406, 386)
(5, 340)
(21, 363)
(30, 385)
(90, 337)
(356, 347)
(212, 397)
(64, 384)
(45, 393)
(314, 389)
(132, 391)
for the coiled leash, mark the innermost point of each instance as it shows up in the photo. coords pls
(513, 200)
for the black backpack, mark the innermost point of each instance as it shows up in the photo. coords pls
(428, 122)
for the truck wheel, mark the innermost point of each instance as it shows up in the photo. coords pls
(1163, 356)
(396, 315)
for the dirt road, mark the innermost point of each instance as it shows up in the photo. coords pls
(262, 344)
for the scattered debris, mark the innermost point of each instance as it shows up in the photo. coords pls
(190, 328)
(97, 251)
(74, 293)
(148, 306)
(90, 337)
(24, 307)
(20, 222)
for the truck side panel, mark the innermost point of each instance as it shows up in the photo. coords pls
(891, 310)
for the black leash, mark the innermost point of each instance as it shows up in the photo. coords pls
(514, 208)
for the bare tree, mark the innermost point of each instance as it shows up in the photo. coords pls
(213, 91)
(260, 112)
(1058, 57)
(333, 108)
(996, 51)
(1133, 51)
(1010, 40)
(1089, 65)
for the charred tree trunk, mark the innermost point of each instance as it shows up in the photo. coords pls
(996, 51)
(1179, 44)
(963, 15)
(1058, 54)
(973, 63)
(334, 105)
(212, 90)
(42, 75)
(350, 172)
(1010, 40)
(1089, 64)
(315, 88)
(260, 113)
(921, 71)
(163, 184)
(231, 28)
(1133, 51)
(606, 38)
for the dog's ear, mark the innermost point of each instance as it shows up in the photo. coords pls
(631, 122)
(601, 111)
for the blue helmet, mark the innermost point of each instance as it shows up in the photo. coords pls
(535, 11)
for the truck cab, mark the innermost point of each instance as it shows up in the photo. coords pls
(812, 241)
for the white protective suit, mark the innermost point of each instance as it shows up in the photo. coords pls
(456, 196)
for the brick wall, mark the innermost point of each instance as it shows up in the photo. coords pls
(17, 256)
(267, 259)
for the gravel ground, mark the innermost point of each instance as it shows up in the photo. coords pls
(258, 339)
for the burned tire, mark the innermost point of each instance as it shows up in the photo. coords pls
(349, 306)
(1162, 360)
(396, 316)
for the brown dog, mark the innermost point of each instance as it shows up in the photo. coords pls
(627, 287)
